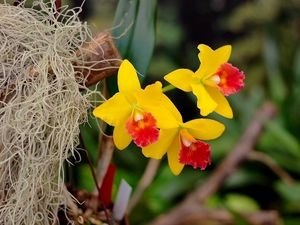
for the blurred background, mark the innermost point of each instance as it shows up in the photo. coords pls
(265, 36)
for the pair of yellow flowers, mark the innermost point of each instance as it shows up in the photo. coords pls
(150, 119)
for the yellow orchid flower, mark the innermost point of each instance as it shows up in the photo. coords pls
(214, 79)
(181, 141)
(135, 113)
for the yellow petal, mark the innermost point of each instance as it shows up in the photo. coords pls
(173, 156)
(211, 59)
(223, 108)
(163, 117)
(150, 96)
(158, 149)
(121, 137)
(204, 129)
(205, 102)
(181, 78)
(152, 100)
(128, 81)
(114, 110)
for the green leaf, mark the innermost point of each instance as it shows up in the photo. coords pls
(296, 72)
(90, 136)
(84, 178)
(167, 186)
(290, 193)
(238, 218)
(143, 39)
(237, 203)
(215, 201)
(284, 137)
(135, 34)
(241, 203)
(245, 177)
(291, 220)
(277, 87)
(296, 66)
(124, 24)
(286, 161)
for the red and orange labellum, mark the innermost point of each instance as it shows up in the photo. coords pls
(229, 79)
(142, 128)
(193, 152)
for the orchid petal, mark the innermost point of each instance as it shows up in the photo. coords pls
(181, 78)
(121, 137)
(114, 111)
(152, 100)
(205, 102)
(164, 118)
(223, 108)
(150, 96)
(204, 129)
(173, 156)
(211, 59)
(128, 81)
(158, 149)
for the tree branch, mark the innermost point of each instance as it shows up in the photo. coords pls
(221, 217)
(272, 164)
(145, 181)
(239, 154)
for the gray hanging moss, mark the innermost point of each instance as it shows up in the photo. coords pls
(41, 109)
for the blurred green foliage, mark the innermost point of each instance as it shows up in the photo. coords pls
(265, 37)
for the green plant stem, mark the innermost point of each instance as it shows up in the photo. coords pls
(168, 88)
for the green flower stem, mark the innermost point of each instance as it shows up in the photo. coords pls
(168, 88)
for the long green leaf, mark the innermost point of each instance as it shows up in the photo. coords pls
(124, 26)
(284, 137)
(271, 56)
(290, 193)
(135, 31)
(143, 39)
(124, 23)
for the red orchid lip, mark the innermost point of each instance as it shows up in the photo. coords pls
(143, 128)
(196, 154)
(231, 79)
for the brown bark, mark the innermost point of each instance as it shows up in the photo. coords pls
(102, 58)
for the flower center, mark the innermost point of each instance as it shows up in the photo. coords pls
(229, 79)
(193, 152)
(216, 79)
(142, 128)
